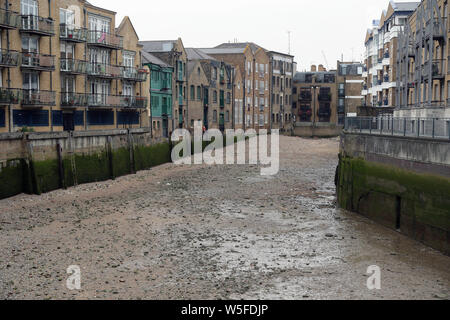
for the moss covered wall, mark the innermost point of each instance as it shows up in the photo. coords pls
(86, 158)
(416, 204)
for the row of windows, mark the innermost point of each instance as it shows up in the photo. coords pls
(277, 99)
(40, 118)
(279, 83)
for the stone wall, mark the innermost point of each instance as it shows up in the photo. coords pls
(36, 163)
(402, 183)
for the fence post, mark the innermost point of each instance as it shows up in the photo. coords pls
(434, 127)
(360, 125)
(418, 127)
(392, 126)
(381, 125)
(370, 125)
(404, 127)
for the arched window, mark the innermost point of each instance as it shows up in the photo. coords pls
(215, 96)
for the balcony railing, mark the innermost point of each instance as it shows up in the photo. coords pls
(9, 58)
(73, 66)
(103, 70)
(9, 19)
(134, 102)
(9, 96)
(305, 96)
(407, 127)
(32, 97)
(438, 68)
(71, 99)
(386, 78)
(134, 74)
(105, 39)
(104, 100)
(439, 30)
(37, 61)
(72, 33)
(37, 25)
(325, 97)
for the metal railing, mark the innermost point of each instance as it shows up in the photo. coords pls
(105, 39)
(9, 19)
(36, 24)
(38, 61)
(72, 33)
(9, 58)
(134, 74)
(73, 66)
(72, 99)
(33, 97)
(434, 128)
(104, 70)
(10, 96)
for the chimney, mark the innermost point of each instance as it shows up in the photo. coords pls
(313, 68)
(321, 68)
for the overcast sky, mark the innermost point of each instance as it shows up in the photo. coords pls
(334, 27)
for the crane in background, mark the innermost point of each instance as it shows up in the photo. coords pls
(326, 61)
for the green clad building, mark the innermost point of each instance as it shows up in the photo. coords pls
(160, 95)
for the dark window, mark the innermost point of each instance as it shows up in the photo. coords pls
(30, 118)
(2, 118)
(100, 117)
(192, 93)
(57, 118)
(79, 118)
(127, 117)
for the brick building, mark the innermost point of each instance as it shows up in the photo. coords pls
(173, 53)
(281, 74)
(211, 91)
(381, 44)
(315, 102)
(64, 66)
(349, 85)
(253, 63)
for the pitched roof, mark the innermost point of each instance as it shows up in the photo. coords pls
(149, 58)
(197, 54)
(158, 45)
(122, 24)
(405, 6)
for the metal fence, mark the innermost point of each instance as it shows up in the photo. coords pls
(435, 128)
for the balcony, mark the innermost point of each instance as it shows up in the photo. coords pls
(131, 102)
(102, 70)
(438, 30)
(38, 98)
(37, 25)
(222, 80)
(72, 34)
(73, 100)
(37, 61)
(305, 96)
(72, 66)
(9, 58)
(436, 69)
(325, 97)
(104, 40)
(134, 74)
(9, 96)
(9, 19)
(386, 78)
(104, 100)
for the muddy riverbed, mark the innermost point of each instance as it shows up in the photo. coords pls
(220, 232)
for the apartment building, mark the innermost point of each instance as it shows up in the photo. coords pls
(315, 101)
(349, 85)
(253, 62)
(424, 63)
(173, 53)
(281, 74)
(211, 91)
(64, 66)
(161, 95)
(381, 42)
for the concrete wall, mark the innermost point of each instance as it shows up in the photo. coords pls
(401, 183)
(319, 130)
(41, 162)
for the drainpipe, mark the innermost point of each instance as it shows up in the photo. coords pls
(85, 111)
(245, 94)
(233, 103)
(10, 109)
(253, 89)
(150, 102)
(270, 93)
(51, 73)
